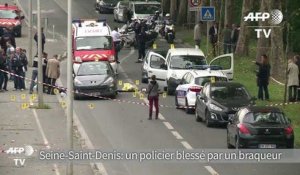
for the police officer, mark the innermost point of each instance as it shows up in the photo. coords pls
(141, 41)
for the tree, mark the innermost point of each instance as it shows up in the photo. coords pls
(181, 18)
(166, 6)
(263, 43)
(242, 47)
(173, 9)
(228, 12)
(277, 50)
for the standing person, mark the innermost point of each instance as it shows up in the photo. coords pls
(34, 74)
(43, 40)
(213, 35)
(234, 37)
(2, 68)
(141, 41)
(53, 73)
(227, 39)
(17, 67)
(24, 61)
(45, 62)
(263, 76)
(129, 16)
(153, 96)
(197, 34)
(293, 80)
(116, 36)
(297, 61)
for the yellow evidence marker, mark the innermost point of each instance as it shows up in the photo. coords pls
(23, 96)
(91, 106)
(154, 46)
(172, 46)
(164, 95)
(24, 106)
(120, 82)
(56, 91)
(13, 98)
(137, 82)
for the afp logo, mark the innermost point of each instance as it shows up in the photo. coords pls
(274, 18)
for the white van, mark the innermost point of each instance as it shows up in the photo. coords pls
(143, 10)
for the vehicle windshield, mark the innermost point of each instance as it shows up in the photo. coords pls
(186, 61)
(223, 93)
(94, 42)
(265, 118)
(93, 68)
(146, 8)
(203, 80)
(124, 4)
(9, 14)
(111, 1)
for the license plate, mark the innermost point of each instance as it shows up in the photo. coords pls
(267, 146)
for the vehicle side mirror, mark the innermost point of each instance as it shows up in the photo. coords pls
(201, 97)
(181, 82)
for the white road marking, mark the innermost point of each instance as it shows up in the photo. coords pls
(168, 125)
(81, 130)
(177, 135)
(211, 170)
(186, 145)
(161, 117)
(46, 142)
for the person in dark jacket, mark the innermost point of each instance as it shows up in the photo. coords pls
(263, 76)
(297, 62)
(18, 68)
(43, 39)
(213, 35)
(234, 37)
(153, 96)
(25, 63)
(2, 68)
(141, 41)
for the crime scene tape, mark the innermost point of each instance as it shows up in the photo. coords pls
(126, 85)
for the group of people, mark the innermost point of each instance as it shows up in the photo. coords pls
(13, 61)
(263, 77)
(230, 37)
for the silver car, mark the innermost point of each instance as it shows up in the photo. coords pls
(120, 11)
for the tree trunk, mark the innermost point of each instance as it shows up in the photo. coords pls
(277, 50)
(166, 6)
(242, 47)
(263, 43)
(173, 9)
(228, 12)
(181, 18)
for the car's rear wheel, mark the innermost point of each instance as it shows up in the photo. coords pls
(176, 101)
(207, 116)
(198, 118)
(188, 110)
(229, 146)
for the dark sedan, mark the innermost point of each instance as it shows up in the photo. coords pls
(106, 6)
(95, 79)
(220, 100)
(260, 127)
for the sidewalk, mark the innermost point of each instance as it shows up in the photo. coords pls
(42, 129)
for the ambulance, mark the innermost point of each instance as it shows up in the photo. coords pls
(92, 41)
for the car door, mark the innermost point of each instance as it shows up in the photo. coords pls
(202, 99)
(157, 66)
(182, 88)
(226, 62)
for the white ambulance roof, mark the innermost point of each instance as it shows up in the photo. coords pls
(91, 28)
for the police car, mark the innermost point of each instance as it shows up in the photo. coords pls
(192, 83)
(92, 41)
(169, 70)
(10, 17)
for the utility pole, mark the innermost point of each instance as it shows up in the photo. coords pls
(30, 32)
(70, 88)
(40, 63)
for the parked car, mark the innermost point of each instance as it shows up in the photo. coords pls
(178, 61)
(10, 17)
(191, 85)
(220, 100)
(260, 127)
(95, 79)
(106, 6)
(120, 11)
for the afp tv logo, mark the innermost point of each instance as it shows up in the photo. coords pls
(27, 150)
(274, 18)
